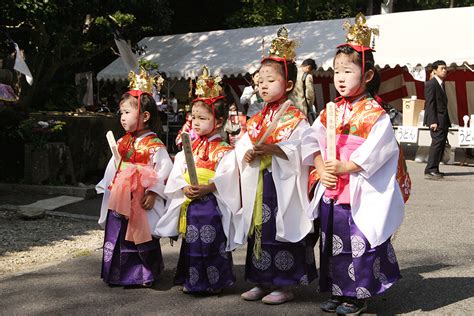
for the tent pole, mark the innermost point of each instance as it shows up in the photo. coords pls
(98, 92)
(167, 116)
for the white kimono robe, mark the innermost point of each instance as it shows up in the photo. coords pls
(291, 180)
(162, 165)
(227, 195)
(376, 201)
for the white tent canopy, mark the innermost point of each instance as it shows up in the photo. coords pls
(405, 38)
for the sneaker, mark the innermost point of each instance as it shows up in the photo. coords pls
(352, 307)
(331, 304)
(254, 294)
(278, 297)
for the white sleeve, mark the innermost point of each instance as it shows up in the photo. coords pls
(102, 187)
(291, 182)
(162, 165)
(167, 226)
(227, 193)
(311, 142)
(382, 141)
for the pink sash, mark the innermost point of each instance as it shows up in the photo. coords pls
(126, 195)
(345, 146)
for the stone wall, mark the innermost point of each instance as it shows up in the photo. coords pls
(85, 136)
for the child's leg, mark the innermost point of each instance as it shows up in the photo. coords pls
(207, 265)
(125, 263)
(279, 265)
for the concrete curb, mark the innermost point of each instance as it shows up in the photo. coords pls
(74, 216)
(85, 192)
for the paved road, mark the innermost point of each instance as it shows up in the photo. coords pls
(434, 247)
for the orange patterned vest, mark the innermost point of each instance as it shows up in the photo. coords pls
(258, 124)
(207, 154)
(142, 151)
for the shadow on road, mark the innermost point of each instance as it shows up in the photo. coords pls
(417, 293)
(20, 235)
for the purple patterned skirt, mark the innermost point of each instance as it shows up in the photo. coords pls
(204, 265)
(123, 262)
(349, 266)
(281, 263)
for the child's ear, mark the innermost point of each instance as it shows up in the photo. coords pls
(369, 75)
(146, 116)
(219, 122)
(289, 85)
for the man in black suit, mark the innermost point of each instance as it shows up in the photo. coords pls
(437, 118)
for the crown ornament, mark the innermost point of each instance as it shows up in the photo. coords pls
(282, 47)
(360, 33)
(208, 87)
(143, 81)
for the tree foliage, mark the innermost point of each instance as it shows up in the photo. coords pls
(61, 38)
(268, 12)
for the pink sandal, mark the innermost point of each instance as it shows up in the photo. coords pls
(254, 294)
(278, 297)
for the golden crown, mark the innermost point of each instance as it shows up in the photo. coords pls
(143, 81)
(208, 86)
(360, 33)
(282, 47)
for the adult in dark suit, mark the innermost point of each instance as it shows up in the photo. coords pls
(437, 118)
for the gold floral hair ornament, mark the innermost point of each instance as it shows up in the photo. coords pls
(360, 34)
(208, 87)
(282, 47)
(143, 81)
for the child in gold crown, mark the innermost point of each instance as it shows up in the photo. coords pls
(201, 213)
(134, 192)
(360, 195)
(273, 182)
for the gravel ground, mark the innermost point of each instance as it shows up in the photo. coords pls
(26, 245)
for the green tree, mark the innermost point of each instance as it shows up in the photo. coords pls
(267, 12)
(60, 38)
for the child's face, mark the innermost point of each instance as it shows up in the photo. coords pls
(203, 120)
(272, 85)
(347, 76)
(129, 117)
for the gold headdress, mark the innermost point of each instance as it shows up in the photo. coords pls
(208, 87)
(143, 81)
(360, 34)
(282, 47)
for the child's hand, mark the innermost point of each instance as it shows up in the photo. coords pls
(338, 167)
(250, 156)
(328, 179)
(197, 191)
(189, 192)
(148, 200)
(264, 150)
(335, 167)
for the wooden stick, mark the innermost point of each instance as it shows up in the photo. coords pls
(188, 154)
(113, 147)
(274, 122)
(331, 130)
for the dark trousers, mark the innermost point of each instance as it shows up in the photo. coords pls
(438, 142)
